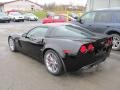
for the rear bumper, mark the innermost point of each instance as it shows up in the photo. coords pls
(73, 63)
(19, 19)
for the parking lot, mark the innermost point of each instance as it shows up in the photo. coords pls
(20, 72)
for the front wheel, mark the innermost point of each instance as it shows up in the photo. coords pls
(53, 62)
(116, 42)
(12, 44)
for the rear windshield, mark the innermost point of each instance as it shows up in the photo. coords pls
(72, 31)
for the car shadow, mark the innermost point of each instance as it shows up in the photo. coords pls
(87, 72)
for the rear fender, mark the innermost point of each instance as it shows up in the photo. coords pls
(58, 50)
(55, 48)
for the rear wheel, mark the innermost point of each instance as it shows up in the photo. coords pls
(53, 62)
(8, 21)
(12, 44)
(116, 42)
(14, 20)
(22, 20)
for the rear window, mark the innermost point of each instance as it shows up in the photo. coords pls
(103, 17)
(56, 17)
(118, 17)
(72, 31)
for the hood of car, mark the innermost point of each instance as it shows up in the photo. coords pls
(17, 16)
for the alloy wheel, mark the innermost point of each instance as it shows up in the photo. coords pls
(11, 44)
(116, 42)
(51, 63)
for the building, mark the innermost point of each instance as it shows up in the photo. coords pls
(99, 4)
(21, 5)
(1, 7)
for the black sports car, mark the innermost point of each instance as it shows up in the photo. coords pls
(62, 46)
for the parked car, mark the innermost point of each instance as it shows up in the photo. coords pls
(106, 21)
(16, 16)
(30, 17)
(62, 46)
(4, 17)
(73, 15)
(54, 19)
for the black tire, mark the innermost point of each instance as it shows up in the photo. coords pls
(14, 20)
(57, 59)
(22, 20)
(116, 47)
(29, 19)
(8, 21)
(36, 19)
(13, 49)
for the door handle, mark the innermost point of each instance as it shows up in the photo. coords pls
(90, 25)
(107, 26)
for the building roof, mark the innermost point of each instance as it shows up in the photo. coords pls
(1, 4)
(21, 0)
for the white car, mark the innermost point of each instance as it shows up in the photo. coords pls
(30, 17)
(16, 16)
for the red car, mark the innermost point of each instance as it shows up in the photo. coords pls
(54, 19)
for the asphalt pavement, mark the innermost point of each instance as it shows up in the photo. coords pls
(20, 72)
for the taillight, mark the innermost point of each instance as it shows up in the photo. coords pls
(83, 49)
(109, 41)
(87, 48)
(90, 48)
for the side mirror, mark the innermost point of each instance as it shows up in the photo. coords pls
(80, 21)
(40, 40)
(24, 35)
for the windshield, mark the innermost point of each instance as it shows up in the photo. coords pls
(29, 14)
(72, 31)
(3, 14)
(15, 13)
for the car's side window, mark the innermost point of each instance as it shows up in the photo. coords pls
(88, 18)
(37, 32)
(103, 17)
(56, 17)
(72, 31)
(118, 17)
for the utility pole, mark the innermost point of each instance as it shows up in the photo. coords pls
(91, 4)
(109, 3)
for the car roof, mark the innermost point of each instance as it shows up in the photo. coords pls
(55, 24)
(108, 9)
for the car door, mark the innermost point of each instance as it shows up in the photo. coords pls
(103, 21)
(87, 20)
(34, 41)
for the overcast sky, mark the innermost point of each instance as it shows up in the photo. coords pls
(74, 2)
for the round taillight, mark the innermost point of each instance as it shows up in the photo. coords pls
(90, 47)
(83, 49)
